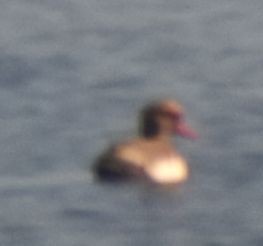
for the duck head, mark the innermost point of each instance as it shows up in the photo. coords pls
(164, 118)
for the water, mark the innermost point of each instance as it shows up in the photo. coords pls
(74, 74)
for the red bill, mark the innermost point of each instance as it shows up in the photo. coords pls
(183, 130)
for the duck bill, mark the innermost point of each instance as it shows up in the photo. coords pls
(185, 131)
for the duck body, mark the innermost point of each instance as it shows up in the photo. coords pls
(142, 159)
(151, 156)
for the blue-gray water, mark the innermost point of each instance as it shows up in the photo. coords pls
(73, 74)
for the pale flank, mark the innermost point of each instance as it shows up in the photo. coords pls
(171, 170)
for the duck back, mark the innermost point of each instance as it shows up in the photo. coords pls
(108, 167)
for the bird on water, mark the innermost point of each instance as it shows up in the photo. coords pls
(151, 156)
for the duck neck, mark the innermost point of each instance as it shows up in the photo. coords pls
(162, 138)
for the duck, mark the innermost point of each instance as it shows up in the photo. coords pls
(150, 156)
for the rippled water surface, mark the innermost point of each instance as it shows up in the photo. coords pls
(73, 75)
